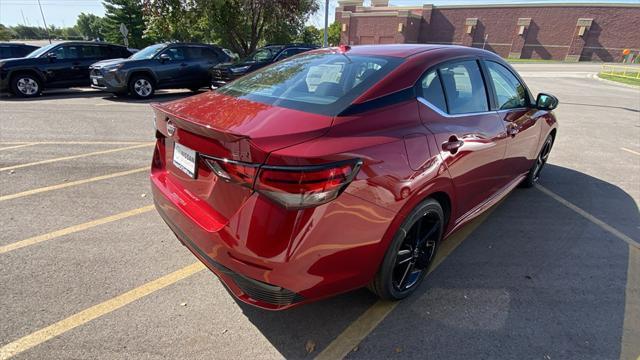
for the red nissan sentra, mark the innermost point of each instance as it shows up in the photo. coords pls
(344, 167)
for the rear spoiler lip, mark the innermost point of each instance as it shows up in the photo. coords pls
(193, 126)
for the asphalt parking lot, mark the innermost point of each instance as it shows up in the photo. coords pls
(89, 270)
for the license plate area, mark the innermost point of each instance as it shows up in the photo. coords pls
(185, 159)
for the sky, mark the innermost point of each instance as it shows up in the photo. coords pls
(64, 12)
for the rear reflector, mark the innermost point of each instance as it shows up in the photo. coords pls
(290, 186)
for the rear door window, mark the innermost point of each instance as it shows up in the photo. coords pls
(5, 52)
(463, 87)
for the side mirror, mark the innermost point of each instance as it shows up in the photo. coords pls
(546, 102)
(164, 57)
(52, 56)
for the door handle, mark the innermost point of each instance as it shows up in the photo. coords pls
(452, 145)
(183, 64)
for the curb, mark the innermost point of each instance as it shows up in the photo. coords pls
(595, 76)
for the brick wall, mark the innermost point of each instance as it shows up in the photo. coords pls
(597, 32)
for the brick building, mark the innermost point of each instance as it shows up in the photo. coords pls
(571, 32)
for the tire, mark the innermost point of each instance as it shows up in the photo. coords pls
(534, 173)
(26, 85)
(395, 280)
(141, 87)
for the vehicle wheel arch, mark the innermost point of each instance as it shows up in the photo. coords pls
(146, 73)
(440, 190)
(33, 72)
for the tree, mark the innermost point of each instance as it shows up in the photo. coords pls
(311, 35)
(334, 33)
(5, 33)
(241, 25)
(129, 13)
(178, 20)
(91, 26)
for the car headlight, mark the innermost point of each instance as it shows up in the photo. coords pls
(114, 68)
(240, 69)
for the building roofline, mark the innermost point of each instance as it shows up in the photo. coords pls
(372, 10)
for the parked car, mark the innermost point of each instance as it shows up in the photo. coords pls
(60, 65)
(226, 72)
(15, 50)
(160, 66)
(345, 167)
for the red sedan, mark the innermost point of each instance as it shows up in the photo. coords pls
(344, 167)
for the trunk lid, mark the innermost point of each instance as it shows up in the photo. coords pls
(221, 126)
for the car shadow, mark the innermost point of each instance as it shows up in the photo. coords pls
(56, 94)
(159, 96)
(535, 279)
(53, 94)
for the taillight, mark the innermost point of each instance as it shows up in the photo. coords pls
(290, 186)
(233, 171)
(305, 186)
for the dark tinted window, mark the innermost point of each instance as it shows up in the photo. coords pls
(431, 90)
(67, 52)
(201, 52)
(5, 52)
(94, 52)
(463, 87)
(510, 93)
(321, 83)
(290, 52)
(176, 53)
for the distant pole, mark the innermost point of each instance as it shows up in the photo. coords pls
(44, 21)
(325, 43)
(486, 36)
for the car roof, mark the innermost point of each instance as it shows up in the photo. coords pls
(86, 43)
(186, 44)
(401, 50)
(16, 43)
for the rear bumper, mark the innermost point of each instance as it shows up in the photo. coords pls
(246, 289)
(271, 257)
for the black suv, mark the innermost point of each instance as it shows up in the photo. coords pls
(15, 50)
(55, 66)
(224, 73)
(160, 66)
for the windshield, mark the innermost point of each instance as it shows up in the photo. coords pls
(43, 50)
(264, 54)
(320, 83)
(147, 53)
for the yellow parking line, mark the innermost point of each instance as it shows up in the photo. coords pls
(96, 311)
(615, 232)
(71, 183)
(369, 320)
(631, 151)
(17, 146)
(73, 229)
(73, 157)
(630, 348)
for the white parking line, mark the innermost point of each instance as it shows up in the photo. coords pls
(589, 217)
(630, 151)
(17, 146)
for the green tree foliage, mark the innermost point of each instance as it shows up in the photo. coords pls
(129, 13)
(311, 35)
(5, 33)
(334, 33)
(178, 20)
(241, 25)
(91, 26)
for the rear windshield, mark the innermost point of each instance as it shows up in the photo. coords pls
(318, 83)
